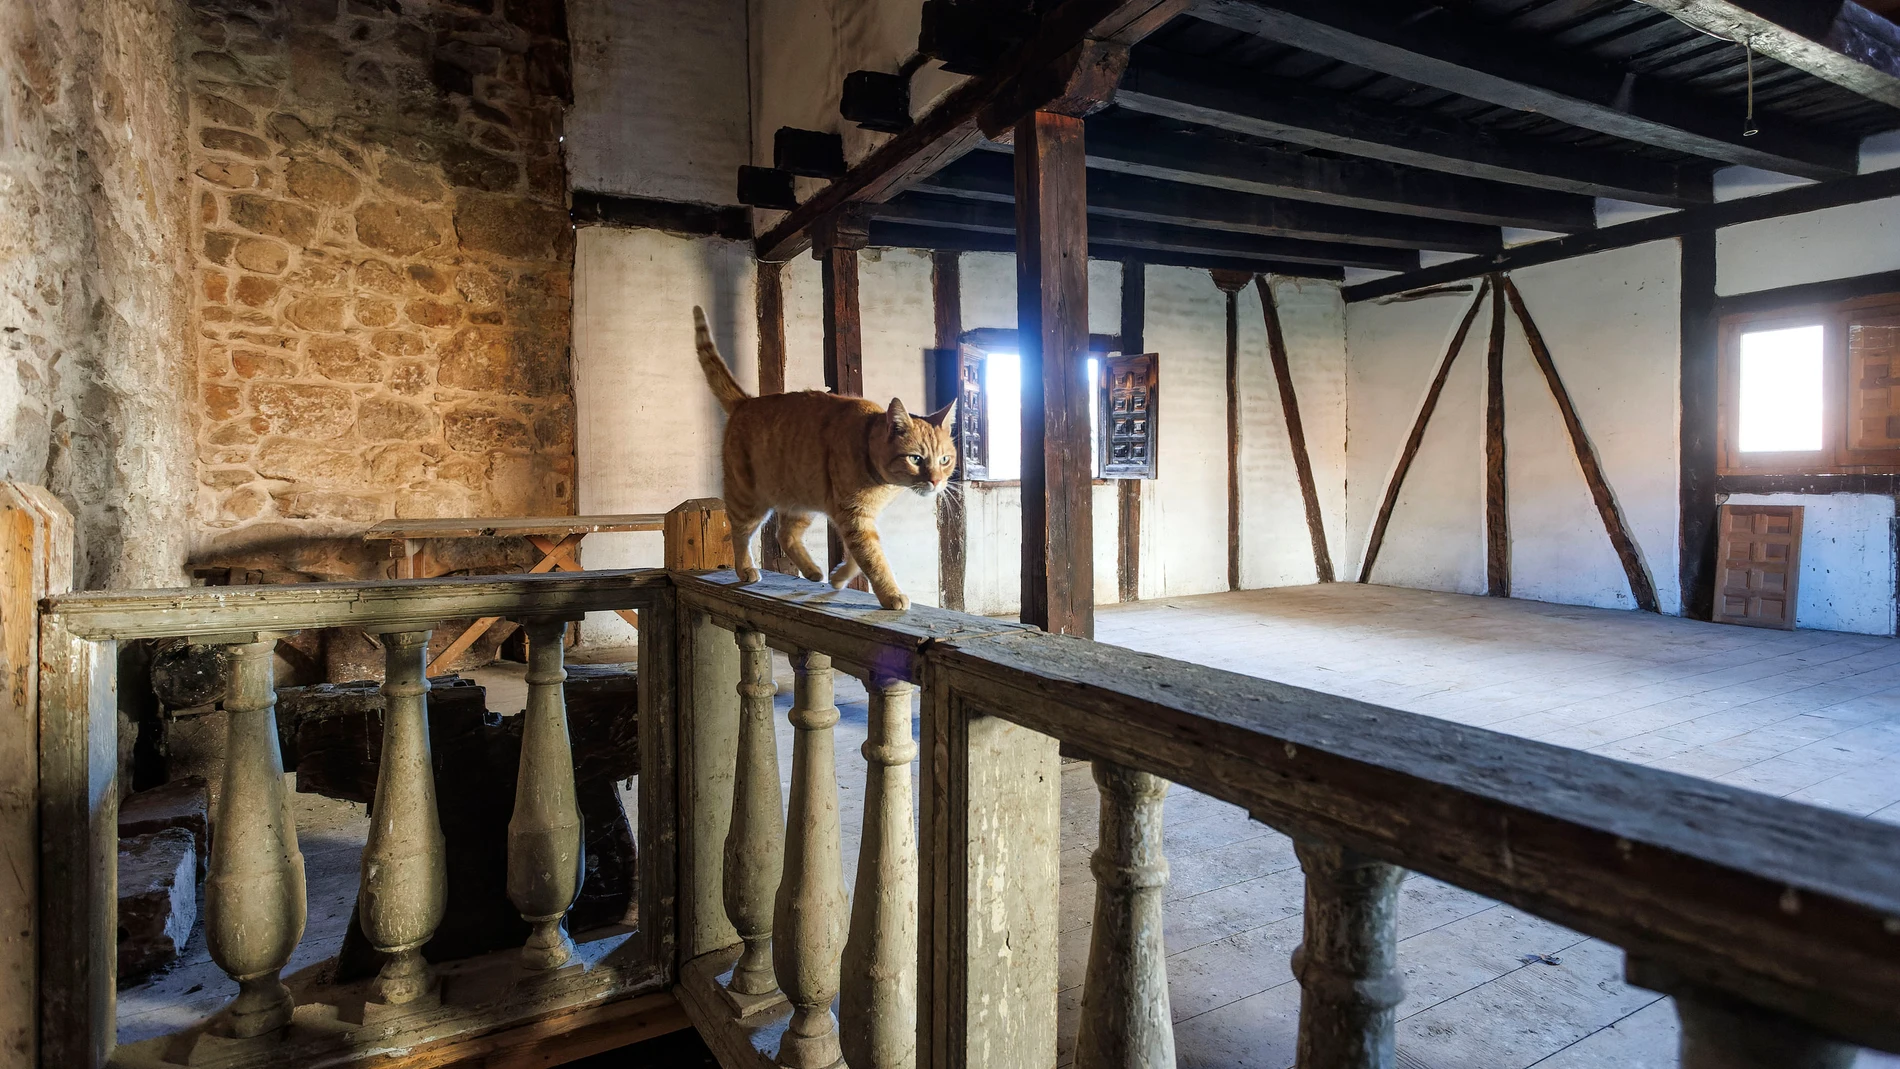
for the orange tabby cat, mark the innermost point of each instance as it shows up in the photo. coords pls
(800, 454)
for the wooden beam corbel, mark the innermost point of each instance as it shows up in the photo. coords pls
(1079, 83)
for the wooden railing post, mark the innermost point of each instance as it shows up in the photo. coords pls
(254, 890)
(755, 843)
(809, 919)
(545, 852)
(1348, 963)
(1126, 1023)
(405, 878)
(1720, 1031)
(878, 1006)
(698, 536)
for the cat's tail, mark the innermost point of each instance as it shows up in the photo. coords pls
(724, 387)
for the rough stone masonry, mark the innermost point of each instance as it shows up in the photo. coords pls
(382, 264)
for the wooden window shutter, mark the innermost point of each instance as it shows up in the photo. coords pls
(973, 440)
(1873, 387)
(1129, 395)
(1758, 573)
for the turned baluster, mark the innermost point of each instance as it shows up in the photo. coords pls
(1348, 963)
(1720, 1031)
(755, 840)
(254, 891)
(405, 881)
(878, 1006)
(1126, 1022)
(809, 917)
(545, 853)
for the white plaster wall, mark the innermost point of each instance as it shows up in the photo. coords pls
(899, 320)
(1847, 560)
(1855, 239)
(647, 429)
(1184, 511)
(660, 98)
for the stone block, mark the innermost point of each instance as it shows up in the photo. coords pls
(230, 175)
(318, 505)
(225, 112)
(183, 803)
(222, 402)
(432, 313)
(279, 219)
(290, 131)
(371, 312)
(301, 461)
(316, 313)
(407, 180)
(218, 247)
(259, 364)
(321, 183)
(158, 900)
(510, 226)
(401, 230)
(262, 255)
(304, 411)
(481, 429)
(378, 277)
(255, 291)
(471, 168)
(343, 360)
(390, 420)
(410, 378)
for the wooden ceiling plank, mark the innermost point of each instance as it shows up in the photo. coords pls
(1838, 41)
(911, 236)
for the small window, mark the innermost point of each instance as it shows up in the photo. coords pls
(1812, 391)
(989, 419)
(1003, 393)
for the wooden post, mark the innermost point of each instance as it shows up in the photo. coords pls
(755, 843)
(36, 562)
(1295, 430)
(835, 246)
(545, 852)
(1700, 444)
(1347, 965)
(946, 289)
(254, 891)
(1497, 508)
(770, 286)
(405, 878)
(878, 1006)
(698, 536)
(1231, 283)
(1720, 1031)
(1126, 1022)
(809, 919)
(1128, 491)
(1058, 574)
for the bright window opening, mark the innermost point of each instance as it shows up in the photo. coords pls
(1781, 405)
(1003, 393)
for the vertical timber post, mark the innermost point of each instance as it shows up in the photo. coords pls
(946, 288)
(770, 287)
(1126, 1022)
(1347, 962)
(1231, 283)
(835, 246)
(1701, 345)
(1497, 507)
(1128, 491)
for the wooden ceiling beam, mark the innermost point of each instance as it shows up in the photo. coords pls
(951, 128)
(1126, 144)
(1835, 40)
(986, 176)
(1207, 93)
(1517, 71)
(960, 214)
(895, 235)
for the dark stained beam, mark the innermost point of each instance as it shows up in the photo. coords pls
(1129, 144)
(951, 128)
(1231, 283)
(770, 302)
(1877, 185)
(986, 176)
(1520, 72)
(836, 249)
(949, 239)
(1835, 40)
(1497, 508)
(963, 214)
(1295, 431)
(1208, 94)
(946, 293)
(1128, 491)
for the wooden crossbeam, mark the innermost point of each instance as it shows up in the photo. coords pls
(956, 212)
(1836, 40)
(1295, 431)
(985, 176)
(1513, 71)
(951, 128)
(1126, 143)
(1208, 93)
(950, 239)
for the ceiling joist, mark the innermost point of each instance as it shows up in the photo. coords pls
(946, 239)
(1835, 40)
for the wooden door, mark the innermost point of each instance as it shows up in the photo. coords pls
(1759, 568)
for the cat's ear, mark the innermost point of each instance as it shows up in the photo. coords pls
(937, 418)
(900, 418)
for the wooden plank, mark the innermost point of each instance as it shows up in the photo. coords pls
(1693, 872)
(985, 176)
(1126, 143)
(195, 611)
(1707, 218)
(1635, 570)
(908, 236)
(1829, 291)
(1840, 41)
(1295, 431)
(1058, 558)
(1128, 491)
(1006, 339)
(662, 759)
(1497, 509)
(1516, 71)
(961, 213)
(946, 295)
(556, 1039)
(1204, 92)
(1417, 436)
(950, 129)
(1231, 283)
(653, 213)
(512, 526)
(1888, 485)
(1699, 434)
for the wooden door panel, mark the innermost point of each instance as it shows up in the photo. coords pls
(1759, 565)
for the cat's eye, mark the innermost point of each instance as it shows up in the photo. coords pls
(943, 459)
(915, 459)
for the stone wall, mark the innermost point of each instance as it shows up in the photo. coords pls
(96, 402)
(382, 275)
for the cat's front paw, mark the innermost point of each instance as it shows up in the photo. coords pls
(748, 575)
(897, 601)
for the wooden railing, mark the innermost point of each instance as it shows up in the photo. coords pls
(1776, 925)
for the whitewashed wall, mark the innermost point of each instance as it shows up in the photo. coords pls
(1847, 560)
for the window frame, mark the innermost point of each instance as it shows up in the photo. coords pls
(1835, 457)
(971, 357)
